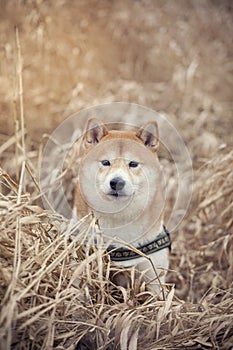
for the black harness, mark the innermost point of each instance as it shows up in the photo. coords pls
(162, 241)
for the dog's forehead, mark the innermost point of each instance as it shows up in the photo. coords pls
(121, 135)
(126, 148)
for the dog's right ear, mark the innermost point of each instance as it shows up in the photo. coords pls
(149, 135)
(95, 130)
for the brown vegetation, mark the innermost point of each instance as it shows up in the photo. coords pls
(175, 57)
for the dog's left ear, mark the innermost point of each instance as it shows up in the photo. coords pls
(95, 130)
(149, 134)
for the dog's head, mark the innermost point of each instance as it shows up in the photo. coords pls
(119, 167)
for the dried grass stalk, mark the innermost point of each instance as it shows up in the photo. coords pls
(43, 306)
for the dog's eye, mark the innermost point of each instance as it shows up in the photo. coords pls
(133, 164)
(105, 162)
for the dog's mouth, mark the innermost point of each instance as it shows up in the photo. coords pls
(117, 194)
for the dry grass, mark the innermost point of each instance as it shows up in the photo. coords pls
(100, 58)
(42, 307)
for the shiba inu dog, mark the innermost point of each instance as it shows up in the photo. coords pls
(120, 181)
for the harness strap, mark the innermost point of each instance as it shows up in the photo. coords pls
(162, 241)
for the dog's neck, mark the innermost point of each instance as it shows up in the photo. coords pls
(134, 223)
(131, 235)
(132, 230)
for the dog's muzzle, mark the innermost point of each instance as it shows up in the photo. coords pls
(117, 184)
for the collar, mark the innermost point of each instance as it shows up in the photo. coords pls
(162, 241)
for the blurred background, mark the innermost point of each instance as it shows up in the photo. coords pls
(172, 56)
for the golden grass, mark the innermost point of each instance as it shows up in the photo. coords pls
(42, 305)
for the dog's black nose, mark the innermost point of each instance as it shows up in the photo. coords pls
(117, 184)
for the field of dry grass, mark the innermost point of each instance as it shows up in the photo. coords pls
(174, 57)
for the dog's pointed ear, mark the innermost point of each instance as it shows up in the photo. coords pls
(149, 134)
(95, 130)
